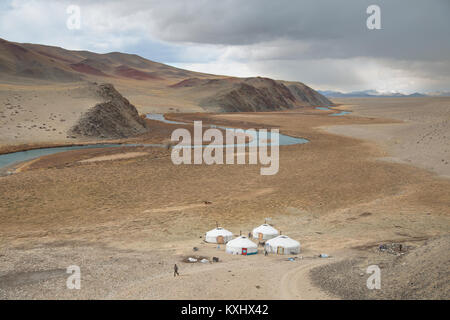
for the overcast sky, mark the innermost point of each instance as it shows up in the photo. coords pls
(323, 43)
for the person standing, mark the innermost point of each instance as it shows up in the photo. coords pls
(175, 270)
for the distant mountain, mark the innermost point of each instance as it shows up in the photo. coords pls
(416, 94)
(57, 64)
(367, 94)
(337, 94)
(149, 84)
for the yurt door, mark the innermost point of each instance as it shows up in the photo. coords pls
(220, 239)
(280, 250)
(260, 236)
(244, 251)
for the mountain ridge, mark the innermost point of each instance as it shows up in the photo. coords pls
(151, 85)
(368, 94)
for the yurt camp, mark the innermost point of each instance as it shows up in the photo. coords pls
(242, 245)
(282, 245)
(218, 235)
(265, 232)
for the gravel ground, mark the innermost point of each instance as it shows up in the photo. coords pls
(422, 272)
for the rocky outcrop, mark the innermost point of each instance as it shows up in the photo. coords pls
(114, 118)
(307, 95)
(246, 97)
(250, 94)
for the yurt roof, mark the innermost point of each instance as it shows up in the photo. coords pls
(219, 231)
(283, 240)
(242, 242)
(266, 229)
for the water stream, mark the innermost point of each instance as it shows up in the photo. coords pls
(340, 113)
(10, 159)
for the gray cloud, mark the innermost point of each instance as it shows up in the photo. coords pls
(322, 42)
(411, 29)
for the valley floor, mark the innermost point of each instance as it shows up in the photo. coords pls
(127, 220)
(421, 139)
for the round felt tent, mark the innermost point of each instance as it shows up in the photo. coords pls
(242, 245)
(282, 245)
(265, 232)
(218, 235)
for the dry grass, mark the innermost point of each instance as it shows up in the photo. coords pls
(321, 196)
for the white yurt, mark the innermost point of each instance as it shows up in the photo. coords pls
(242, 245)
(265, 232)
(218, 235)
(282, 245)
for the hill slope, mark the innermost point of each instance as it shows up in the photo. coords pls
(114, 118)
(149, 85)
(249, 94)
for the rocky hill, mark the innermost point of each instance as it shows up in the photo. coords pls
(250, 94)
(149, 85)
(307, 95)
(113, 118)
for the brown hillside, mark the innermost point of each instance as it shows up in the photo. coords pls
(249, 94)
(149, 85)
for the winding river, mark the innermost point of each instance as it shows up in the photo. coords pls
(341, 113)
(256, 137)
(9, 159)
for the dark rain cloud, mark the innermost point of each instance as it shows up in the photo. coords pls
(411, 29)
(322, 42)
